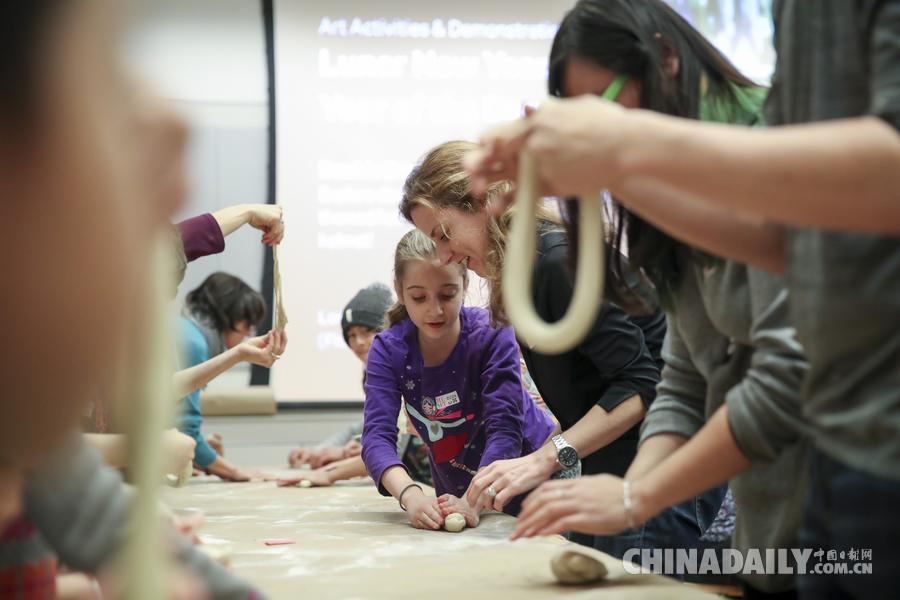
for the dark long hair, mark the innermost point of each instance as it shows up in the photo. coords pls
(224, 300)
(635, 38)
(24, 29)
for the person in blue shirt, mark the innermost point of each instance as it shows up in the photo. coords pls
(217, 319)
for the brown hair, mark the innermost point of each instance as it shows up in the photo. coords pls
(413, 246)
(440, 181)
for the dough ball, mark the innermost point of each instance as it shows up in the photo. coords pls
(306, 483)
(455, 522)
(576, 568)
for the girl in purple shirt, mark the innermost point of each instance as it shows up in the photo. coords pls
(461, 380)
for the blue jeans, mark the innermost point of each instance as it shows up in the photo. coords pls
(680, 526)
(848, 510)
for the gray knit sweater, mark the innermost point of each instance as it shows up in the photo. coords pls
(80, 508)
(729, 341)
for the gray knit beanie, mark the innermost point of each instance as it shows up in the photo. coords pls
(367, 308)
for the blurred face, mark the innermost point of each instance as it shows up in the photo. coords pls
(360, 340)
(585, 76)
(460, 237)
(242, 330)
(433, 295)
(84, 193)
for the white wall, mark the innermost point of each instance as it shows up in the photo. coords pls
(207, 57)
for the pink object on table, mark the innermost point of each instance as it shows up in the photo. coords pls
(278, 542)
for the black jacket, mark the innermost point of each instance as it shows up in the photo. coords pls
(609, 366)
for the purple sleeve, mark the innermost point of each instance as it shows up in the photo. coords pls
(201, 236)
(379, 438)
(502, 394)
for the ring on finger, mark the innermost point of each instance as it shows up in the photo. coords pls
(491, 492)
(275, 356)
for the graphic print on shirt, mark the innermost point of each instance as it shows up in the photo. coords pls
(443, 447)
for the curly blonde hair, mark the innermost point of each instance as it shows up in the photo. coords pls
(440, 181)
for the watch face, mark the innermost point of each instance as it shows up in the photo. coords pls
(568, 457)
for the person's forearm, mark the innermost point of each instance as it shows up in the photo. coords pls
(708, 459)
(599, 428)
(347, 468)
(841, 174)
(232, 218)
(222, 468)
(723, 232)
(112, 447)
(654, 451)
(189, 380)
(395, 480)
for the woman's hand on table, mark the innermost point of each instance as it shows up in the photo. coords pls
(498, 483)
(593, 504)
(450, 504)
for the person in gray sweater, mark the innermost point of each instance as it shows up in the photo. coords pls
(730, 349)
(80, 511)
(812, 197)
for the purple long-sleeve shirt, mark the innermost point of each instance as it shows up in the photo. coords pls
(470, 411)
(201, 236)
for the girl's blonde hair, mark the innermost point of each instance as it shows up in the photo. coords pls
(440, 181)
(413, 246)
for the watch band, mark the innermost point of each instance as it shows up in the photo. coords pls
(560, 442)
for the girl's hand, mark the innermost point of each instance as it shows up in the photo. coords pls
(577, 144)
(268, 219)
(423, 512)
(592, 504)
(317, 477)
(509, 478)
(450, 504)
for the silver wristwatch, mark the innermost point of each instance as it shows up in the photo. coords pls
(566, 455)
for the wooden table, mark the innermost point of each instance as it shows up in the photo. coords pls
(353, 543)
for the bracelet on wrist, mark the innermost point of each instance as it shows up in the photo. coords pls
(412, 485)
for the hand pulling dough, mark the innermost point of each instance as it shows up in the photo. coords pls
(455, 522)
(574, 567)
